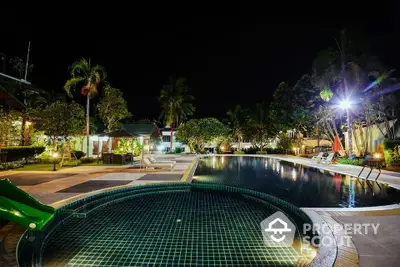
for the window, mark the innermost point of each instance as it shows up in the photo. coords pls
(166, 138)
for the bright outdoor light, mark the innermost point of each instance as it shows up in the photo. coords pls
(377, 155)
(345, 104)
(55, 155)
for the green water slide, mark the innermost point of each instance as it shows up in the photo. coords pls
(21, 208)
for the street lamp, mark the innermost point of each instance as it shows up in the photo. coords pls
(54, 156)
(346, 104)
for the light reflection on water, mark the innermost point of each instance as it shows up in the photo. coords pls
(300, 185)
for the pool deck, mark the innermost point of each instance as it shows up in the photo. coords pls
(369, 249)
(66, 185)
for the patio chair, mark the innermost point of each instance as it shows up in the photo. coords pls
(328, 159)
(158, 165)
(318, 157)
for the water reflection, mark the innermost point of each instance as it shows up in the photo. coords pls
(300, 185)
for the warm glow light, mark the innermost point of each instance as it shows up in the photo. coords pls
(28, 123)
(55, 155)
(377, 155)
(345, 104)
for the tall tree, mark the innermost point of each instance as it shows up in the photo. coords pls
(176, 103)
(89, 79)
(60, 121)
(112, 108)
(237, 121)
(197, 133)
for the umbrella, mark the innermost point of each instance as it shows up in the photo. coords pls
(336, 144)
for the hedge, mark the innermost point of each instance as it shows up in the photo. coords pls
(18, 153)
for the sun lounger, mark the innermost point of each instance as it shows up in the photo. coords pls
(328, 159)
(159, 165)
(318, 157)
(153, 160)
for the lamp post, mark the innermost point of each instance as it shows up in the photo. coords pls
(346, 104)
(54, 156)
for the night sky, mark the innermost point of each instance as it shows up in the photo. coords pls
(227, 60)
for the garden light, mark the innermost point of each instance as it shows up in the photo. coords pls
(54, 156)
(345, 104)
(377, 155)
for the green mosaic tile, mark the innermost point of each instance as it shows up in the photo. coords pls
(178, 228)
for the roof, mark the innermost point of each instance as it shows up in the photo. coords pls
(140, 129)
(121, 133)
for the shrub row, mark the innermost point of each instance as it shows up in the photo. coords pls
(11, 165)
(357, 162)
(21, 152)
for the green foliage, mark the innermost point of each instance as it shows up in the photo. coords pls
(88, 160)
(239, 152)
(124, 146)
(61, 120)
(112, 109)
(11, 165)
(357, 162)
(178, 150)
(326, 94)
(176, 102)
(391, 144)
(197, 133)
(237, 122)
(79, 154)
(284, 143)
(258, 128)
(137, 148)
(19, 153)
(7, 127)
(261, 152)
(86, 76)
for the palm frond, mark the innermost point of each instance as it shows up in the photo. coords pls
(100, 71)
(80, 67)
(71, 84)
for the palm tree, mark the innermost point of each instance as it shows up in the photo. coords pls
(258, 126)
(89, 79)
(176, 104)
(236, 122)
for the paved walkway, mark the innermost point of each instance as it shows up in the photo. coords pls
(388, 177)
(371, 250)
(49, 187)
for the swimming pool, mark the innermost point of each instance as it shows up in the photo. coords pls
(300, 185)
(177, 224)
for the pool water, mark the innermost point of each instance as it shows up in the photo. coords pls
(300, 185)
(164, 225)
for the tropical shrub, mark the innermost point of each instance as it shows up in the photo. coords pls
(261, 153)
(178, 150)
(357, 162)
(239, 152)
(22, 152)
(79, 154)
(11, 165)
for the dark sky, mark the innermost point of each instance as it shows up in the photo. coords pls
(227, 60)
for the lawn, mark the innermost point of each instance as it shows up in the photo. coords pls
(40, 167)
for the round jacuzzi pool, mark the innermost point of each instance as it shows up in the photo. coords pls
(174, 224)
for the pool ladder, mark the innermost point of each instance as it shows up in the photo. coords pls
(372, 168)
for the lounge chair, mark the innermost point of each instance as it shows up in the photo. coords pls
(159, 165)
(328, 159)
(318, 157)
(153, 160)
